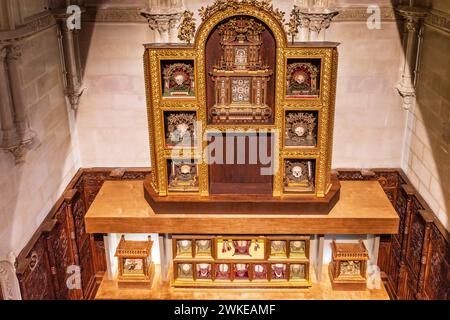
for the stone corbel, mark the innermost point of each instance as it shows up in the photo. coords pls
(17, 135)
(412, 43)
(71, 59)
(165, 25)
(8, 280)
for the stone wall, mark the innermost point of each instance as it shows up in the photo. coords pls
(427, 147)
(30, 189)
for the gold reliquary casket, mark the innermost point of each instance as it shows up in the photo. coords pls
(241, 116)
(136, 267)
(348, 268)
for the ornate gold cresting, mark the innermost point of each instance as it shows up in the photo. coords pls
(211, 17)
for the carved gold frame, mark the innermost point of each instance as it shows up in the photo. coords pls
(156, 105)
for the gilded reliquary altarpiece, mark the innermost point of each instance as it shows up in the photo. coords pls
(241, 74)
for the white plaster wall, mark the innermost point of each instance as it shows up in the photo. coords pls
(112, 117)
(111, 120)
(28, 191)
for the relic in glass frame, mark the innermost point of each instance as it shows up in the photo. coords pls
(303, 78)
(240, 77)
(297, 272)
(182, 176)
(299, 176)
(180, 129)
(184, 248)
(178, 79)
(203, 248)
(279, 271)
(223, 271)
(348, 266)
(297, 248)
(185, 271)
(135, 262)
(278, 248)
(259, 272)
(204, 271)
(241, 271)
(301, 129)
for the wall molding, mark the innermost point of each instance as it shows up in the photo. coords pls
(353, 14)
(34, 25)
(439, 20)
(132, 14)
(124, 15)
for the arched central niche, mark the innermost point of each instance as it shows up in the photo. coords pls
(240, 68)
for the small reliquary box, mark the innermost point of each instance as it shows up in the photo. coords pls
(348, 266)
(135, 262)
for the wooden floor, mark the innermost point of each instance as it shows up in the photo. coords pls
(319, 291)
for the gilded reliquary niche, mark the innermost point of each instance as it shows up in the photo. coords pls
(184, 248)
(223, 271)
(297, 272)
(185, 271)
(297, 249)
(299, 176)
(204, 271)
(178, 79)
(180, 129)
(301, 129)
(240, 58)
(203, 248)
(260, 272)
(303, 78)
(278, 249)
(279, 271)
(182, 176)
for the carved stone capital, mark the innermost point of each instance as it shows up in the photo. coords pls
(74, 97)
(161, 22)
(408, 95)
(413, 16)
(318, 19)
(14, 52)
(19, 152)
(3, 52)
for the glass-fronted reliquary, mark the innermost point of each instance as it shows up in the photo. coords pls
(241, 122)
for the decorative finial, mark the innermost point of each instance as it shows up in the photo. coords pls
(187, 27)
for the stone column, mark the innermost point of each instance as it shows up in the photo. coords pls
(70, 59)
(10, 137)
(413, 17)
(21, 117)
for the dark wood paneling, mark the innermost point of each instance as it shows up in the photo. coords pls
(415, 264)
(35, 274)
(437, 273)
(61, 241)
